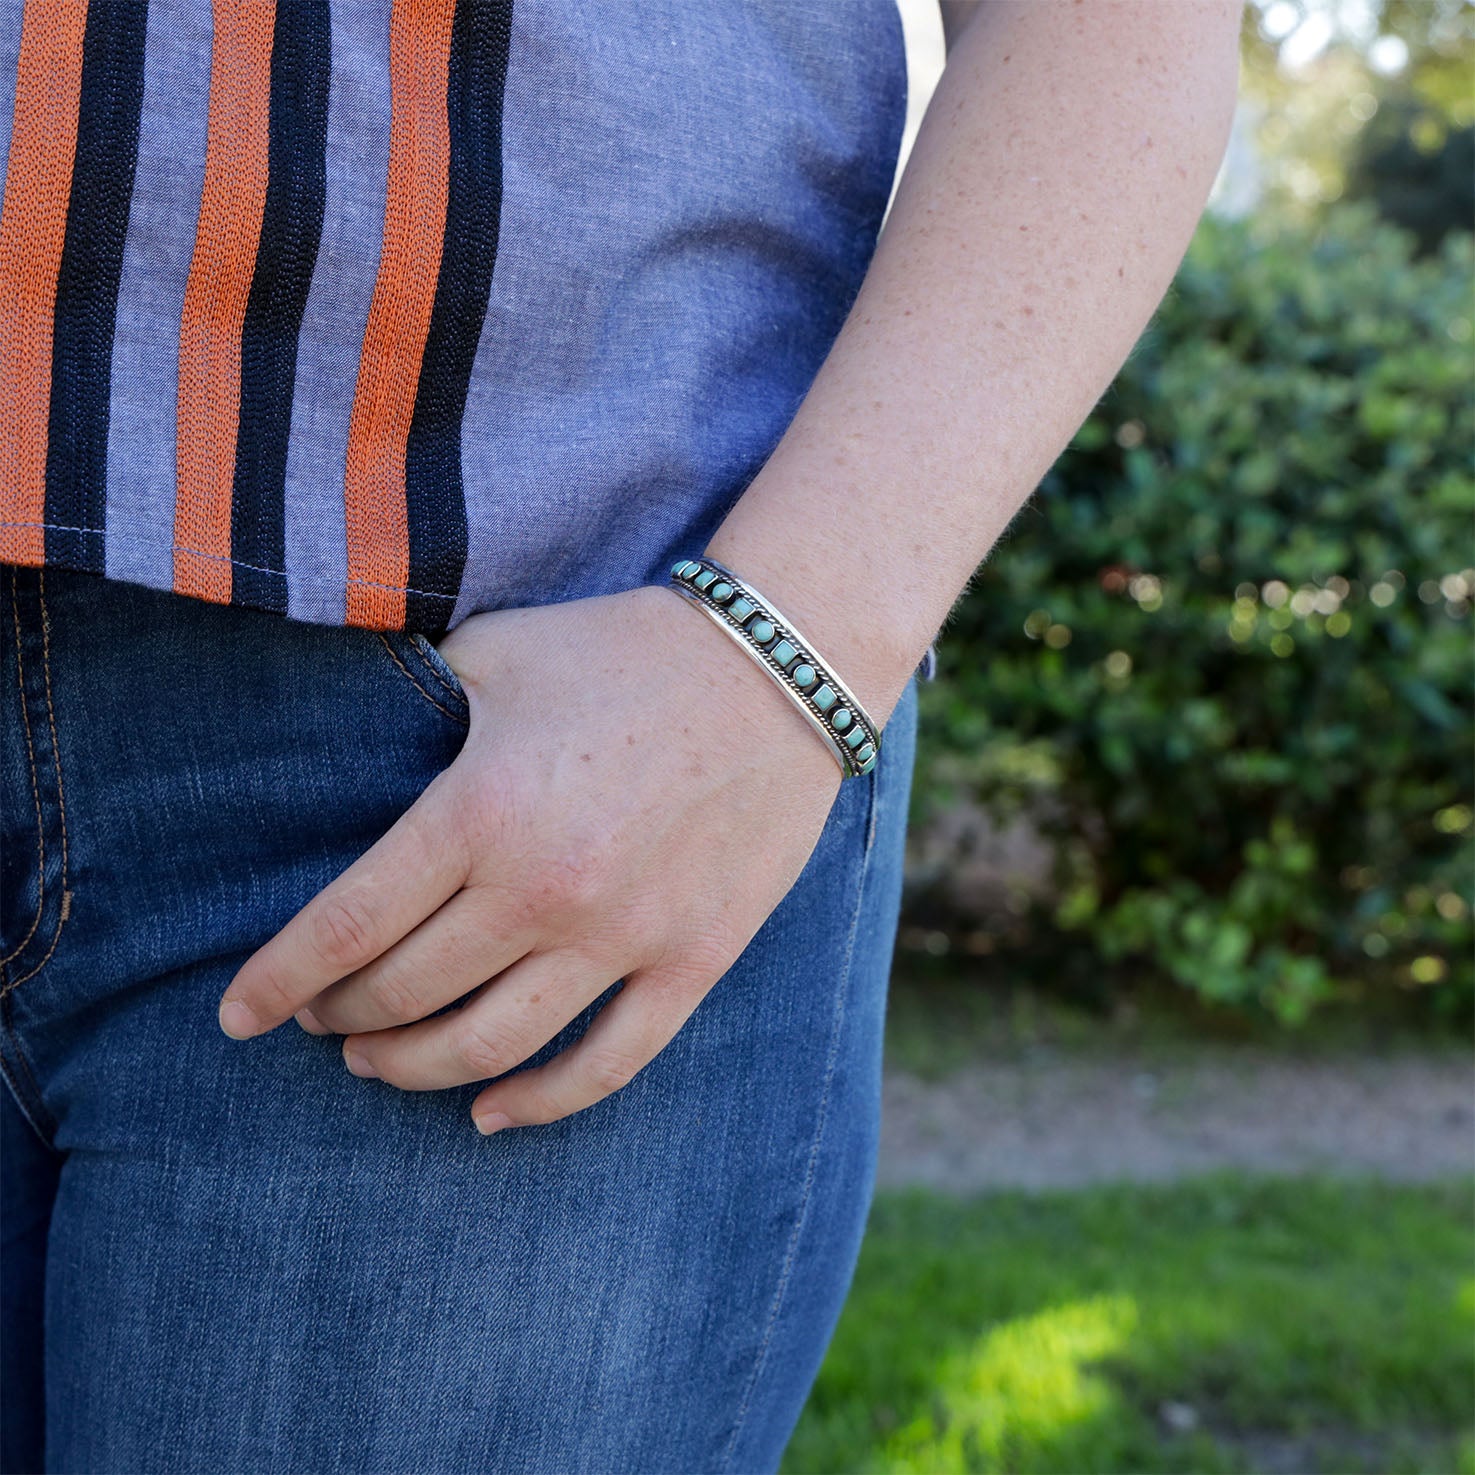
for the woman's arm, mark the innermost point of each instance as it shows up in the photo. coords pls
(1053, 188)
(635, 797)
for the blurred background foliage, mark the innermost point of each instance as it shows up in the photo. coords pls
(1355, 100)
(1191, 863)
(1204, 716)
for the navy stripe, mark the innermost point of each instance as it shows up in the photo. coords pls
(291, 227)
(87, 283)
(481, 37)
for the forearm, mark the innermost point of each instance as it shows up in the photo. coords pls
(1053, 188)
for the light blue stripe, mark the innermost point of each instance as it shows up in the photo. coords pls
(156, 261)
(337, 311)
(10, 19)
(690, 198)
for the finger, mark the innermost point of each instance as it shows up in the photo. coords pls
(442, 960)
(511, 1018)
(394, 885)
(626, 1035)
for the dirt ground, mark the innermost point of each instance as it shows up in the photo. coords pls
(1052, 1119)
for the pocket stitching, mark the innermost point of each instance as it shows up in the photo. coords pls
(65, 908)
(25, 713)
(456, 717)
(426, 648)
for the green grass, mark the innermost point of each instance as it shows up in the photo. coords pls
(1299, 1326)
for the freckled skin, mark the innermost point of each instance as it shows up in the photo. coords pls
(1052, 190)
(1055, 182)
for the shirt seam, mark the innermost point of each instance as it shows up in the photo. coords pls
(275, 573)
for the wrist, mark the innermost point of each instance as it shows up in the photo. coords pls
(722, 678)
(772, 640)
(869, 644)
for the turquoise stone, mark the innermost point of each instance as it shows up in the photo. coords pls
(861, 754)
(824, 698)
(783, 652)
(869, 764)
(841, 719)
(704, 578)
(762, 631)
(856, 737)
(803, 677)
(741, 608)
(721, 592)
(678, 569)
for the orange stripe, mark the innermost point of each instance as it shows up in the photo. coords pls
(33, 226)
(226, 238)
(399, 314)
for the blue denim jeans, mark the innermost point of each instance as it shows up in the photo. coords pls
(236, 1256)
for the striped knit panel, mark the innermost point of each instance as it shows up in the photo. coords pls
(291, 224)
(10, 28)
(332, 331)
(87, 285)
(167, 185)
(434, 494)
(33, 219)
(164, 374)
(226, 239)
(10, 33)
(399, 315)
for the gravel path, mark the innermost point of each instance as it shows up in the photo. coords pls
(1052, 1120)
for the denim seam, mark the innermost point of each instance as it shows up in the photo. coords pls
(65, 909)
(409, 676)
(842, 1002)
(430, 670)
(874, 823)
(276, 573)
(28, 1096)
(25, 712)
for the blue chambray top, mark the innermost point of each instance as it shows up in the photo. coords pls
(386, 314)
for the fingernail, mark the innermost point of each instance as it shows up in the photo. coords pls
(359, 1065)
(310, 1022)
(237, 1019)
(492, 1121)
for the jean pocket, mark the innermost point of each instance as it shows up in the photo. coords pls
(442, 669)
(429, 672)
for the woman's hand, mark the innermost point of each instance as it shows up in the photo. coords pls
(633, 799)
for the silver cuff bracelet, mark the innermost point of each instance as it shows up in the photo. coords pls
(771, 639)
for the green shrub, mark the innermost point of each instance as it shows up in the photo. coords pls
(1223, 660)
